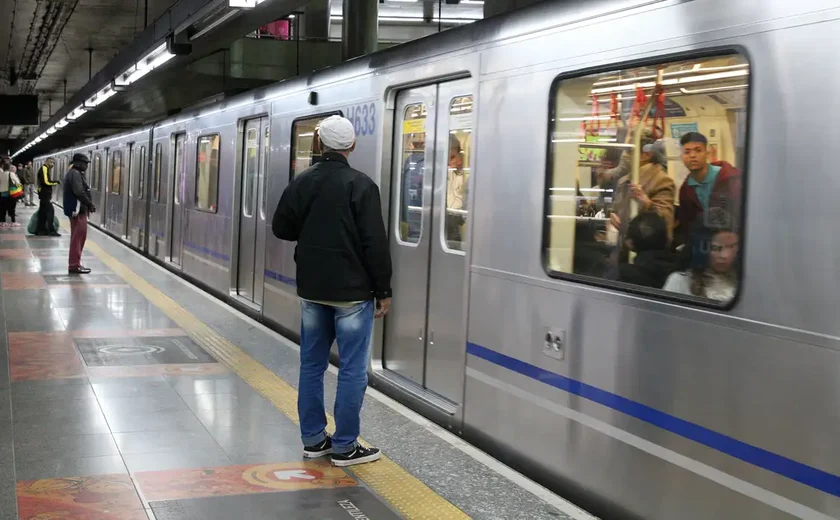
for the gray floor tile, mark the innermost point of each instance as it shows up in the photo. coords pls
(22, 395)
(70, 467)
(160, 422)
(24, 386)
(54, 410)
(48, 426)
(8, 498)
(224, 384)
(324, 504)
(245, 398)
(143, 405)
(205, 458)
(262, 416)
(48, 321)
(34, 448)
(164, 442)
(157, 387)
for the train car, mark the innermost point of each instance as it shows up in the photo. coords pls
(501, 150)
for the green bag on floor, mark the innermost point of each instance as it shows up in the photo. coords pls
(32, 227)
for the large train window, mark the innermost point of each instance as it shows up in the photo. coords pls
(458, 171)
(306, 147)
(207, 173)
(643, 189)
(116, 172)
(413, 164)
(156, 173)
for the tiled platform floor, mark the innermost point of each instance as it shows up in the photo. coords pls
(109, 410)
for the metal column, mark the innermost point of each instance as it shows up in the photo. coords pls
(316, 20)
(360, 30)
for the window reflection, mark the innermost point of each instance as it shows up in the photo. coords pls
(458, 172)
(644, 181)
(413, 162)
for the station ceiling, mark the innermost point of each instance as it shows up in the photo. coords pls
(56, 48)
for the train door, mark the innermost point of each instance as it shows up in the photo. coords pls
(425, 334)
(250, 275)
(135, 221)
(129, 174)
(178, 179)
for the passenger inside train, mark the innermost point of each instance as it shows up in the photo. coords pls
(678, 142)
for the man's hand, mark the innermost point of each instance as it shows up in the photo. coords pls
(382, 307)
(638, 193)
(92, 208)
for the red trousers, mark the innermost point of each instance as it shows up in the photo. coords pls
(78, 235)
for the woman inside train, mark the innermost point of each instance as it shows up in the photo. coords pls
(719, 279)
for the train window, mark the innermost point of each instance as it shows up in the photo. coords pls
(252, 164)
(180, 167)
(156, 173)
(458, 172)
(306, 147)
(643, 188)
(116, 172)
(207, 173)
(413, 161)
(97, 171)
(266, 152)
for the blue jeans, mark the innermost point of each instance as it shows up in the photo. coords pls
(320, 326)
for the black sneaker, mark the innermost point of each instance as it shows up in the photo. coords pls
(319, 450)
(359, 455)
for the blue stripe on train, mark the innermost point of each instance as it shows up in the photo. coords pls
(770, 461)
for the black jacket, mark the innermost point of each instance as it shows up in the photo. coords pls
(334, 214)
(44, 183)
(649, 269)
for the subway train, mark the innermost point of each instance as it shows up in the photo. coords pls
(491, 144)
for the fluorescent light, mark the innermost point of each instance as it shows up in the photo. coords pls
(62, 123)
(472, 2)
(711, 89)
(416, 19)
(100, 97)
(51, 130)
(78, 112)
(693, 70)
(675, 81)
(144, 65)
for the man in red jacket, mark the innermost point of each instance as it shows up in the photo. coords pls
(710, 197)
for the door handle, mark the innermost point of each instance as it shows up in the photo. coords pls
(431, 338)
(420, 335)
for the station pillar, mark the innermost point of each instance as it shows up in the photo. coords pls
(360, 28)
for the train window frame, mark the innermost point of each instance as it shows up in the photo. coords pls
(444, 240)
(177, 195)
(141, 177)
(214, 208)
(401, 182)
(111, 177)
(625, 287)
(156, 172)
(293, 149)
(249, 192)
(97, 170)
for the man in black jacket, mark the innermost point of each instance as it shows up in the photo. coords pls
(77, 206)
(334, 214)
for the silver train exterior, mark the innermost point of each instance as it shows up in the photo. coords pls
(658, 409)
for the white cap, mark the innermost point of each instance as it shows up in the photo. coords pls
(337, 133)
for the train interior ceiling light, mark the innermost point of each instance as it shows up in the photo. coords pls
(154, 59)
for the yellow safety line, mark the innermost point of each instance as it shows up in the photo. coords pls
(403, 491)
